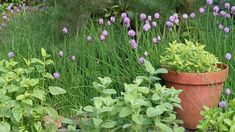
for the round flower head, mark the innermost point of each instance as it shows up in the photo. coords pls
(142, 16)
(222, 13)
(105, 33)
(109, 23)
(102, 37)
(65, 30)
(176, 21)
(228, 56)
(112, 19)
(155, 40)
(185, 16)
(149, 18)
(131, 33)
(128, 25)
(123, 15)
(209, 2)
(227, 5)
(145, 53)
(56, 75)
(61, 53)
(192, 15)
(215, 14)
(73, 58)
(222, 104)
(12, 11)
(172, 18)
(233, 10)
(146, 27)
(201, 10)
(89, 38)
(228, 91)
(133, 44)
(221, 27)
(226, 30)
(126, 20)
(169, 24)
(215, 9)
(101, 21)
(154, 24)
(228, 16)
(158, 38)
(141, 60)
(10, 55)
(176, 15)
(4, 17)
(157, 15)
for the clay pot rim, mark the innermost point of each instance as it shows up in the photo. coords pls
(219, 65)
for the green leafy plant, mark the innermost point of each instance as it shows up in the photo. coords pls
(218, 119)
(23, 93)
(188, 57)
(143, 106)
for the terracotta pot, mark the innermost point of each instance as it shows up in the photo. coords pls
(199, 89)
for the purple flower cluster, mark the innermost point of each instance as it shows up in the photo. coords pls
(156, 40)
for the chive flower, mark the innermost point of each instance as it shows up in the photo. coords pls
(112, 19)
(201, 10)
(209, 2)
(141, 60)
(222, 104)
(142, 16)
(131, 33)
(221, 27)
(228, 91)
(222, 13)
(233, 10)
(149, 18)
(154, 24)
(89, 38)
(145, 53)
(228, 56)
(73, 58)
(169, 24)
(172, 18)
(185, 16)
(109, 23)
(65, 30)
(123, 15)
(101, 21)
(228, 16)
(133, 44)
(192, 15)
(10, 55)
(226, 30)
(61, 53)
(102, 37)
(126, 20)
(146, 27)
(176, 21)
(215, 9)
(157, 15)
(227, 5)
(56, 75)
(105, 33)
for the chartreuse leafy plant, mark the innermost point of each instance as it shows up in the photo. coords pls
(143, 106)
(23, 92)
(218, 119)
(188, 57)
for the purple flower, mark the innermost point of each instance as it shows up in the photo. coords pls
(157, 15)
(215, 9)
(176, 21)
(105, 33)
(176, 15)
(155, 40)
(102, 37)
(228, 56)
(10, 55)
(101, 21)
(126, 20)
(172, 18)
(215, 14)
(109, 23)
(209, 2)
(222, 13)
(169, 24)
(192, 15)
(61, 53)
(201, 10)
(222, 104)
(73, 58)
(127, 25)
(227, 5)
(233, 10)
(149, 18)
(123, 15)
(131, 33)
(4, 17)
(133, 44)
(221, 27)
(228, 16)
(65, 30)
(228, 91)
(185, 16)
(141, 60)
(112, 19)
(145, 53)
(89, 38)
(226, 30)
(154, 24)
(142, 16)
(56, 75)
(146, 27)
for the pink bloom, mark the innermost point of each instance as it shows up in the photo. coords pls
(101, 21)
(133, 44)
(154, 24)
(123, 15)
(142, 16)
(105, 33)
(201, 10)
(131, 33)
(65, 30)
(157, 15)
(102, 37)
(146, 27)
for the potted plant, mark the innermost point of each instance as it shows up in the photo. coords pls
(198, 73)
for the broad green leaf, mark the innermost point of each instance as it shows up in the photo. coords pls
(149, 67)
(130, 87)
(156, 97)
(5, 127)
(108, 124)
(37, 126)
(43, 53)
(138, 119)
(17, 113)
(109, 91)
(49, 62)
(106, 81)
(20, 97)
(98, 102)
(138, 81)
(228, 122)
(151, 112)
(97, 121)
(126, 125)
(126, 111)
(35, 61)
(168, 105)
(56, 90)
(144, 90)
(39, 94)
(88, 108)
(28, 102)
(161, 71)
(51, 112)
(163, 127)
(48, 75)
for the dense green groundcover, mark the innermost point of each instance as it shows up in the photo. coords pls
(25, 34)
